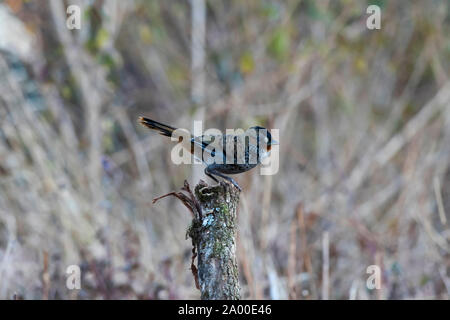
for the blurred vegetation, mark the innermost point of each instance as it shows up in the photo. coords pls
(364, 119)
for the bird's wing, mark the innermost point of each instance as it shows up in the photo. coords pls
(208, 148)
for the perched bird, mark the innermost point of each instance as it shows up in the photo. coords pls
(223, 154)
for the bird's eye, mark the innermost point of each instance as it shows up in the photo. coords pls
(266, 139)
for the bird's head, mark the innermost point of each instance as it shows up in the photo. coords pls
(263, 134)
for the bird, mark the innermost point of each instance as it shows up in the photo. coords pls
(247, 148)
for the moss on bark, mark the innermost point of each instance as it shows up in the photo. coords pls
(213, 233)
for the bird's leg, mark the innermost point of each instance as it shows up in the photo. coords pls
(209, 174)
(224, 177)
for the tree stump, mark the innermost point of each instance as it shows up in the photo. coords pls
(213, 235)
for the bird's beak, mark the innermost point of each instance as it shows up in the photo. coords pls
(274, 142)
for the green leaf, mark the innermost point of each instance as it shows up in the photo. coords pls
(101, 38)
(246, 63)
(380, 3)
(279, 44)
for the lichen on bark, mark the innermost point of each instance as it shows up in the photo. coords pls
(215, 240)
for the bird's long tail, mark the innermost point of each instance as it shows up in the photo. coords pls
(163, 129)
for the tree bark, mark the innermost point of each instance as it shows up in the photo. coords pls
(213, 234)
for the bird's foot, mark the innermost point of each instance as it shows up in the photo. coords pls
(235, 184)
